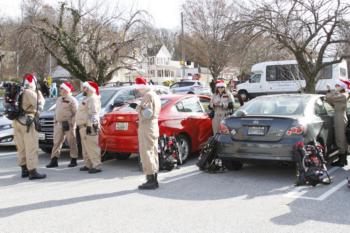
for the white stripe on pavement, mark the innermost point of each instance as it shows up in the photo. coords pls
(332, 190)
(299, 192)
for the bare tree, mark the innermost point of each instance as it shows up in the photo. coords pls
(31, 54)
(212, 31)
(309, 29)
(89, 45)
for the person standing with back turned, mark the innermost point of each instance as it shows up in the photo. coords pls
(148, 133)
(25, 134)
(338, 99)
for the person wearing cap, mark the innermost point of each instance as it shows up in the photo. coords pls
(88, 123)
(25, 133)
(221, 102)
(148, 133)
(338, 99)
(64, 126)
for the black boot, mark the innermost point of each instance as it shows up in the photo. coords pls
(25, 172)
(151, 183)
(34, 175)
(341, 162)
(53, 163)
(84, 169)
(94, 170)
(73, 162)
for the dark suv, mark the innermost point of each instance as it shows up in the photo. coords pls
(110, 97)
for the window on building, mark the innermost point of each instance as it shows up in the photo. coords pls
(151, 61)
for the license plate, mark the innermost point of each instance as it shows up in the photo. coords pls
(256, 130)
(122, 126)
(41, 136)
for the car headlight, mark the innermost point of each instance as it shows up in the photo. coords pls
(5, 127)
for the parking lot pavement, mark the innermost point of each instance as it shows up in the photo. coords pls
(259, 198)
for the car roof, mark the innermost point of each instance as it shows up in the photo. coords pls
(134, 86)
(293, 95)
(180, 96)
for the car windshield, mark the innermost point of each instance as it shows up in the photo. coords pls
(106, 96)
(49, 102)
(275, 105)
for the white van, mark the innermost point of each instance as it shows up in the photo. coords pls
(275, 77)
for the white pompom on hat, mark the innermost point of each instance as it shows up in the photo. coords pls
(67, 86)
(342, 84)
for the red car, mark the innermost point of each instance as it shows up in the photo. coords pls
(184, 116)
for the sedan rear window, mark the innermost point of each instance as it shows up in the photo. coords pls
(276, 105)
(106, 96)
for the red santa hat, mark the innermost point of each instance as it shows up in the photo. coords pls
(140, 80)
(92, 86)
(220, 83)
(347, 84)
(67, 86)
(29, 79)
(342, 83)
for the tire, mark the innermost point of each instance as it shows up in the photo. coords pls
(232, 165)
(191, 93)
(47, 150)
(184, 147)
(123, 156)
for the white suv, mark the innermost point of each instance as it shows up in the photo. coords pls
(190, 87)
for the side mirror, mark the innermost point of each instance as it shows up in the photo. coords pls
(240, 113)
(118, 102)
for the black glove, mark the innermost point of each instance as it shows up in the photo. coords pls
(88, 130)
(65, 126)
(95, 126)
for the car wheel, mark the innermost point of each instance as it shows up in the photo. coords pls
(47, 150)
(232, 165)
(190, 93)
(123, 156)
(184, 147)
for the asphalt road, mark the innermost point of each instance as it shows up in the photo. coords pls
(259, 198)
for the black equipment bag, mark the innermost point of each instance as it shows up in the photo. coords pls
(208, 159)
(13, 100)
(168, 153)
(310, 165)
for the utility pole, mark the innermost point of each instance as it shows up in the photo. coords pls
(182, 47)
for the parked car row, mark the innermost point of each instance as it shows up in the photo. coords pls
(265, 128)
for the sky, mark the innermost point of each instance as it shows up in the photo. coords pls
(166, 13)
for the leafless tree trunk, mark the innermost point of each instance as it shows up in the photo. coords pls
(309, 29)
(89, 45)
(212, 38)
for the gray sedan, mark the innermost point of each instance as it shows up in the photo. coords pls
(267, 128)
(6, 130)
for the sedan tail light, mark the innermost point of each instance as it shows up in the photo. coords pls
(223, 129)
(296, 130)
